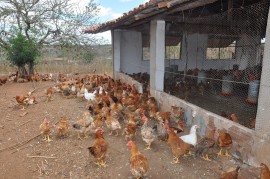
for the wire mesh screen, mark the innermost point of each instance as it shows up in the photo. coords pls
(220, 61)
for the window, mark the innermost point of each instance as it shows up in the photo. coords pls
(146, 53)
(173, 52)
(221, 48)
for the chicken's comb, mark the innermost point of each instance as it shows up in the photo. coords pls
(129, 143)
(144, 118)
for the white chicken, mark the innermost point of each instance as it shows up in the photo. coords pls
(191, 138)
(89, 96)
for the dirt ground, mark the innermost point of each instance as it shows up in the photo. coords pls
(68, 157)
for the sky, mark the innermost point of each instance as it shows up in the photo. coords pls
(112, 9)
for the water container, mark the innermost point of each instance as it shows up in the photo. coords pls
(201, 77)
(253, 91)
(227, 86)
(174, 68)
(167, 73)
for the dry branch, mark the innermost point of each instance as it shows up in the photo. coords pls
(40, 156)
(15, 146)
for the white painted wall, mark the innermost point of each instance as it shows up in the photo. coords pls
(131, 53)
(195, 52)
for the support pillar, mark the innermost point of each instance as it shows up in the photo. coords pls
(157, 54)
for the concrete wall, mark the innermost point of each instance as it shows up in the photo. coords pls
(248, 146)
(131, 53)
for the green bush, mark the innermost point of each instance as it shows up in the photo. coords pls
(22, 51)
(88, 56)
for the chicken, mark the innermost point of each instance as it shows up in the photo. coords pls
(265, 172)
(112, 123)
(63, 127)
(22, 101)
(201, 87)
(224, 140)
(233, 118)
(3, 80)
(130, 128)
(161, 130)
(177, 113)
(82, 124)
(163, 115)
(45, 130)
(178, 146)
(205, 144)
(138, 162)
(148, 133)
(99, 148)
(89, 96)
(230, 174)
(49, 93)
(191, 138)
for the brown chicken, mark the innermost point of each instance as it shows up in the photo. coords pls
(233, 118)
(224, 140)
(82, 124)
(63, 127)
(45, 130)
(177, 113)
(230, 174)
(265, 172)
(178, 146)
(112, 123)
(22, 101)
(130, 129)
(3, 80)
(49, 94)
(163, 115)
(99, 148)
(138, 162)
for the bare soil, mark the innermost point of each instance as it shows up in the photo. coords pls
(68, 157)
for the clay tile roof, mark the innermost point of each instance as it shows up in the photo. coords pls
(148, 10)
(109, 24)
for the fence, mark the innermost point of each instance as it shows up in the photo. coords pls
(219, 66)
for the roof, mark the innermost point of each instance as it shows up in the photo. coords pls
(149, 9)
(168, 10)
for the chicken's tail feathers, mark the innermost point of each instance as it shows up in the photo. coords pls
(92, 150)
(76, 126)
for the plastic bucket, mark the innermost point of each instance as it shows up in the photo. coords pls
(167, 73)
(201, 77)
(174, 68)
(227, 86)
(253, 91)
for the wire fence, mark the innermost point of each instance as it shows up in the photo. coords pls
(219, 65)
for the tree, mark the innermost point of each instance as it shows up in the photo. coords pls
(22, 51)
(47, 22)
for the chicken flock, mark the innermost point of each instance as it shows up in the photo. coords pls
(121, 109)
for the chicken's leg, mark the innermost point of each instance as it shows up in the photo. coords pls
(48, 138)
(102, 163)
(188, 154)
(116, 133)
(227, 153)
(111, 132)
(220, 152)
(206, 157)
(175, 160)
(148, 147)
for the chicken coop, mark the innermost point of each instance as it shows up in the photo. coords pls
(208, 56)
